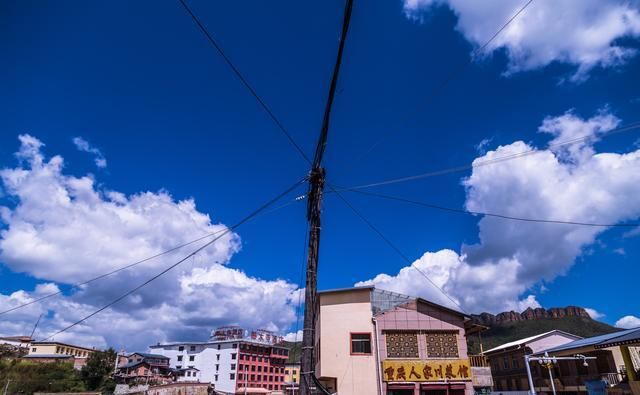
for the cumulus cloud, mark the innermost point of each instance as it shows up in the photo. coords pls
(84, 146)
(628, 322)
(294, 336)
(593, 313)
(62, 229)
(581, 33)
(571, 184)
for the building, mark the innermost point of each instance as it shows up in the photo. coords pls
(18, 342)
(292, 378)
(507, 360)
(569, 376)
(616, 367)
(47, 352)
(232, 359)
(189, 375)
(139, 368)
(370, 341)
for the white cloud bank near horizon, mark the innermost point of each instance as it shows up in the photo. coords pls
(569, 183)
(65, 230)
(582, 33)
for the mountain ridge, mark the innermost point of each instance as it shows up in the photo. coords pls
(530, 314)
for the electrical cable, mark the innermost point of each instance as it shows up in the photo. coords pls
(474, 164)
(244, 81)
(501, 216)
(393, 246)
(452, 75)
(229, 229)
(77, 285)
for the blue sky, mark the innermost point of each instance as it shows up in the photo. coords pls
(142, 85)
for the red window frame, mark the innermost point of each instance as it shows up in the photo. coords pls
(351, 343)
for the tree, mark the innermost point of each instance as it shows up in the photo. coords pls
(96, 374)
(27, 377)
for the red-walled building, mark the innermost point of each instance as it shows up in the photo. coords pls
(261, 366)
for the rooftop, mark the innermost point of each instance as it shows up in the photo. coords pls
(527, 340)
(61, 344)
(601, 341)
(48, 356)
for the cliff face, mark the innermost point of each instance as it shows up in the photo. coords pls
(529, 314)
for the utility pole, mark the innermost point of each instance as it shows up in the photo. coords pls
(314, 207)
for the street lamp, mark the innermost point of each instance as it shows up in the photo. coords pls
(548, 361)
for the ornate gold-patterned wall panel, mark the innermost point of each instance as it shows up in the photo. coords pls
(442, 344)
(402, 344)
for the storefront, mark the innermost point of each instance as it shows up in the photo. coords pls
(426, 377)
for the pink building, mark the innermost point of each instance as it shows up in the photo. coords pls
(370, 341)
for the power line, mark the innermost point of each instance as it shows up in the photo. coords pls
(113, 272)
(474, 164)
(229, 229)
(244, 81)
(502, 216)
(47, 296)
(455, 72)
(393, 246)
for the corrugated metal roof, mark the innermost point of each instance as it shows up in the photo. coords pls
(591, 341)
(528, 340)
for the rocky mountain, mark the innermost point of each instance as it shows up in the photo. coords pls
(509, 326)
(529, 314)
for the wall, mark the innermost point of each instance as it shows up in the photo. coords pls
(205, 359)
(342, 313)
(423, 318)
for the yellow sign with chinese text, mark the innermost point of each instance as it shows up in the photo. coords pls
(426, 370)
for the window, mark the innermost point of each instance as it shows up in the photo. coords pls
(217, 357)
(192, 348)
(190, 366)
(401, 344)
(218, 346)
(34, 349)
(233, 366)
(505, 363)
(232, 376)
(361, 343)
(181, 348)
(178, 366)
(179, 358)
(233, 356)
(442, 345)
(514, 362)
(192, 358)
(216, 377)
(217, 367)
(234, 345)
(259, 368)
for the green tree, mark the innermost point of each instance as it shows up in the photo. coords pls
(28, 377)
(96, 374)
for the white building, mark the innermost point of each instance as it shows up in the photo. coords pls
(231, 360)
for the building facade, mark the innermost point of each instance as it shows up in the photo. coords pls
(139, 368)
(370, 341)
(292, 378)
(56, 351)
(509, 369)
(232, 359)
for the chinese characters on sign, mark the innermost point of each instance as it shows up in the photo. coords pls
(431, 370)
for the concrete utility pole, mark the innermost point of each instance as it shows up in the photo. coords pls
(314, 206)
(548, 362)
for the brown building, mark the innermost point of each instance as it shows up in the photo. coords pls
(509, 371)
(47, 352)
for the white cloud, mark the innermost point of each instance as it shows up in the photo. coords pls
(78, 232)
(583, 33)
(84, 146)
(511, 257)
(593, 313)
(294, 336)
(628, 322)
